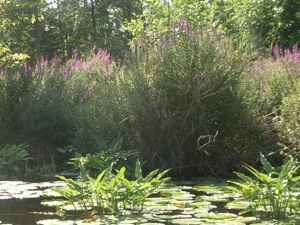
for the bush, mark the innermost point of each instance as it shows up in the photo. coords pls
(13, 87)
(98, 113)
(183, 101)
(287, 122)
(266, 86)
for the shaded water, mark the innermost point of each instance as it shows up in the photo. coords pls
(24, 211)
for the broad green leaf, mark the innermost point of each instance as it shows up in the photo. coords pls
(150, 175)
(286, 169)
(261, 176)
(244, 177)
(267, 166)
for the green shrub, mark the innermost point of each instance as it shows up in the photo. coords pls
(98, 110)
(13, 87)
(287, 122)
(265, 87)
(100, 158)
(181, 93)
(12, 158)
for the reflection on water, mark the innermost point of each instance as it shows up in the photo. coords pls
(24, 211)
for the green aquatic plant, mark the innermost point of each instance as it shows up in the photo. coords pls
(103, 156)
(272, 194)
(110, 192)
(12, 157)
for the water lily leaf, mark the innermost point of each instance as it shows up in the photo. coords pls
(216, 198)
(55, 222)
(167, 217)
(187, 221)
(237, 204)
(83, 222)
(161, 208)
(208, 189)
(200, 204)
(151, 223)
(57, 202)
(28, 194)
(182, 204)
(212, 215)
(4, 196)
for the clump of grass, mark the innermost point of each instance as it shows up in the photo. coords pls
(183, 101)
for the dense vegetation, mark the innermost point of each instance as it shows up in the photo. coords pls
(196, 86)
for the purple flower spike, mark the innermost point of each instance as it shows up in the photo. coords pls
(94, 47)
(262, 88)
(195, 78)
(295, 48)
(277, 50)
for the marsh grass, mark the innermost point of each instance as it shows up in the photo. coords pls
(181, 93)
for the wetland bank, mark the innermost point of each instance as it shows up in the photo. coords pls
(180, 89)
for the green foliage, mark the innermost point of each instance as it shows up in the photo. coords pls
(43, 28)
(255, 24)
(180, 93)
(12, 158)
(109, 191)
(13, 87)
(266, 85)
(103, 156)
(287, 122)
(271, 193)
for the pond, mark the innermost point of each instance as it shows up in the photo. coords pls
(198, 201)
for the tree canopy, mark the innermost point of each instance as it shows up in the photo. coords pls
(48, 27)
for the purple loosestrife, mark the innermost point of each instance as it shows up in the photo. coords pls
(94, 48)
(195, 78)
(262, 88)
(55, 61)
(184, 25)
(295, 49)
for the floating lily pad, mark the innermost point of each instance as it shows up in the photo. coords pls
(212, 215)
(237, 204)
(167, 217)
(3, 197)
(187, 221)
(28, 194)
(57, 202)
(182, 204)
(84, 222)
(151, 223)
(208, 189)
(161, 208)
(216, 198)
(200, 204)
(55, 222)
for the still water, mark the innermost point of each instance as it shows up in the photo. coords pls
(201, 201)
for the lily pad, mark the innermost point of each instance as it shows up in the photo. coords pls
(168, 217)
(212, 215)
(237, 204)
(55, 222)
(187, 221)
(216, 198)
